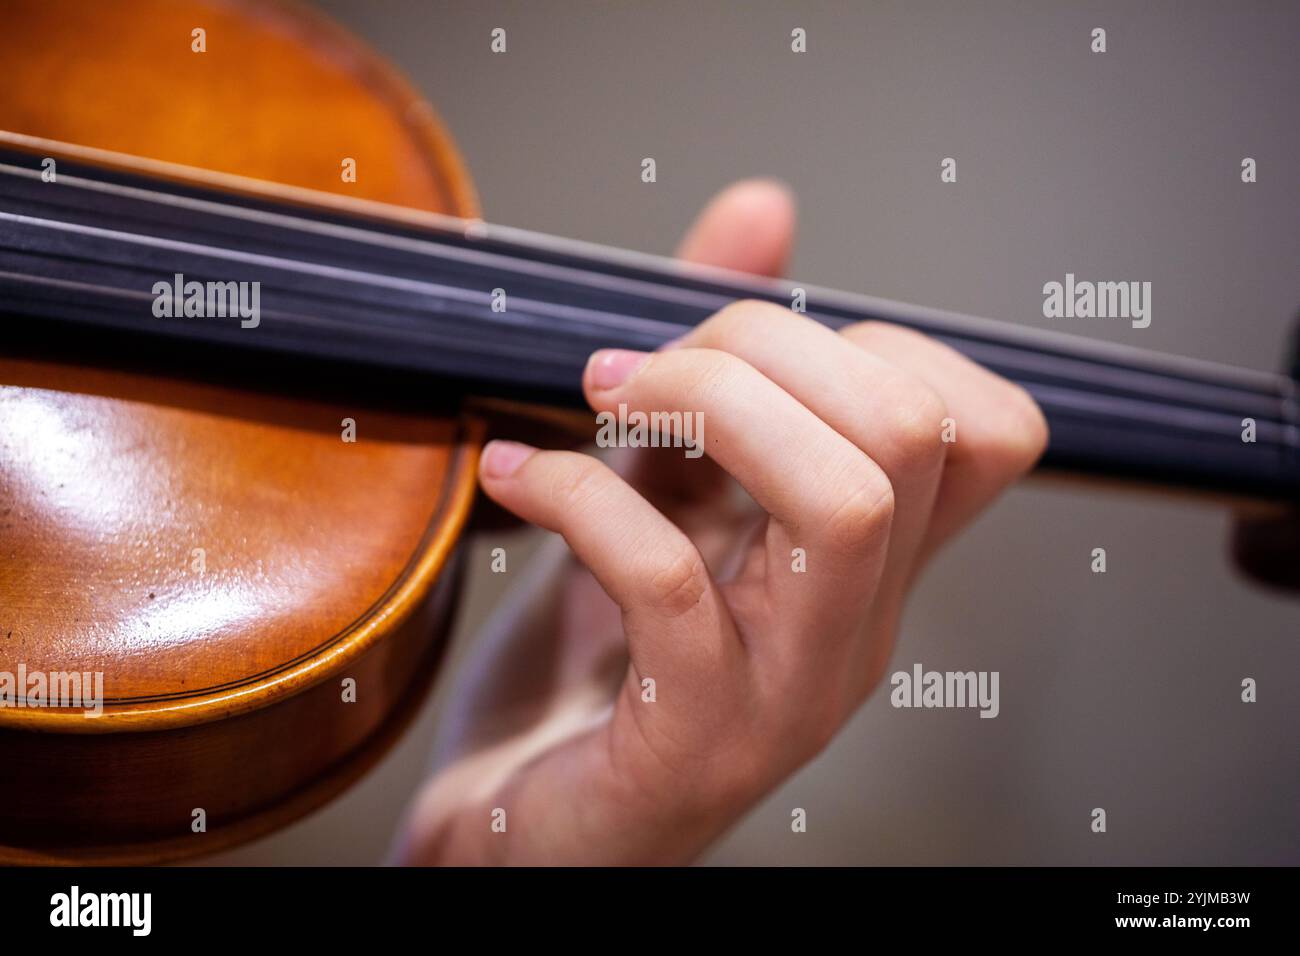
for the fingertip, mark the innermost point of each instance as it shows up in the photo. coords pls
(609, 368)
(748, 226)
(767, 196)
(501, 459)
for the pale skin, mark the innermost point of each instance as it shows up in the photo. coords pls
(665, 573)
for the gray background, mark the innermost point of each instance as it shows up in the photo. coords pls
(1118, 690)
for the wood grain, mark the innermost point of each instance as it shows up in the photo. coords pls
(321, 558)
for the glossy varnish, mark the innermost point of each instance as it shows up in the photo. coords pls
(219, 553)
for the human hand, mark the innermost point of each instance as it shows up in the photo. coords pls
(838, 439)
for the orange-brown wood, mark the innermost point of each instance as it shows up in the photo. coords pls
(217, 551)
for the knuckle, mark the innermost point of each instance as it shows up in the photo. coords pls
(678, 586)
(742, 321)
(859, 521)
(732, 314)
(748, 311)
(704, 372)
(915, 427)
(873, 331)
(859, 332)
(578, 482)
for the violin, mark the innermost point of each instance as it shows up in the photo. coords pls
(254, 337)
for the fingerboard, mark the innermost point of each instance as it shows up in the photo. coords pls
(487, 310)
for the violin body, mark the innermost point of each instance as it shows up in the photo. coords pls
(237, 541)
(264, 601)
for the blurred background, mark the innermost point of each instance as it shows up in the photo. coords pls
(1118, 690)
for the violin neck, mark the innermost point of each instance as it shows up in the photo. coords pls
(492, 311)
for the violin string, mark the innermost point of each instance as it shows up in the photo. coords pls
(433, 290)
(422, 301)
(313, 320)
(545, 316)
(582, 321)
(1062, 400)
(436, 250)
(663, 291)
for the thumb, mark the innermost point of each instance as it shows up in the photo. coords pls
(749, 227)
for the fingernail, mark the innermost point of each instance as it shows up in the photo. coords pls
(610, 368)
(501, 459)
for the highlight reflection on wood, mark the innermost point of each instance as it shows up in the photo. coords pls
(320, 559)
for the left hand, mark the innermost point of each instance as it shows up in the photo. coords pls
(837, 439)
